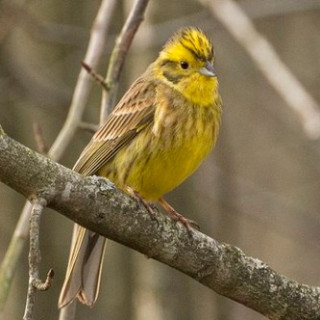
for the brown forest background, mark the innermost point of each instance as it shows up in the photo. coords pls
(259, 190)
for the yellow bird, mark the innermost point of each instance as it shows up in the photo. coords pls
(157, 135)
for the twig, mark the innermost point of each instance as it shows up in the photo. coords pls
(44, 286)
(38, 135)
(96, 77)
(35, 283)
(119, 54)
(229, 13)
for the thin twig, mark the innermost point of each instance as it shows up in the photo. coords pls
(119, 54)
(35, 283)
(44, 286)
(38, 135)
(230, 14)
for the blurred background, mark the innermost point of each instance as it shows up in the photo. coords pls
(259, 190)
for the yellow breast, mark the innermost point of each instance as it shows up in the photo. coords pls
(164, 154)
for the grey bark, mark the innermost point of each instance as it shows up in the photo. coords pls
(97, 204)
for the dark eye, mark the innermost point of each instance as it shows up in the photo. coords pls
(184, 64)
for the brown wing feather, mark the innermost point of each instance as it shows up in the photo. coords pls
(134, 111)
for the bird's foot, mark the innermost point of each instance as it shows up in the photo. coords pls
(189, 224)
(150, 207)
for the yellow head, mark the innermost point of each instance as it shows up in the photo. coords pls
(186, 64)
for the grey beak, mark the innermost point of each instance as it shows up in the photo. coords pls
(208, 70)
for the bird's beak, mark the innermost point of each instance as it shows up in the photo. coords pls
(208, 70)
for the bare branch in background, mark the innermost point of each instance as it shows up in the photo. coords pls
(97, 204)
(38, 135)
(93, 56)
(118, 55)
(230, 14)
(94, 53)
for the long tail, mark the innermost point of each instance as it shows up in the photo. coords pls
(83, 274)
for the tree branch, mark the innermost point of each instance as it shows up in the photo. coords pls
(97, 204)
(35, 282)
(81, 92)
(290, 89)
(119, 54)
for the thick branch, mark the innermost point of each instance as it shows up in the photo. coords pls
(98, 205)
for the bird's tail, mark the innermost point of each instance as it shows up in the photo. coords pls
(83, 274)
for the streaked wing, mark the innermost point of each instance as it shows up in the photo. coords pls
(133, 113)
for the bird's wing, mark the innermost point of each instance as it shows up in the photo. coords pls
(133, 113)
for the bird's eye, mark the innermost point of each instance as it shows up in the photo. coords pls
(184, 64)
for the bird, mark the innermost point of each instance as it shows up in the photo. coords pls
(156, 136)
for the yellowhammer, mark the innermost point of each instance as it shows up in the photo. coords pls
(157, 135)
